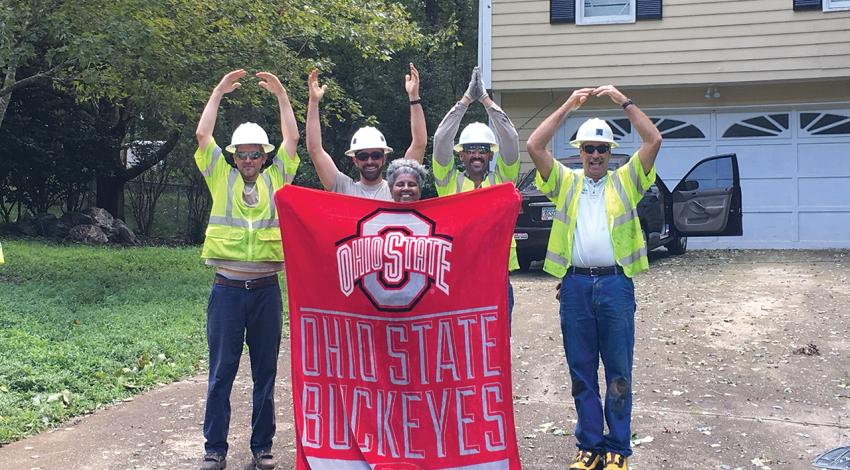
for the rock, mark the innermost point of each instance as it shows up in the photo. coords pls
(101, 217)
(72, 219)
(88, 234)
(121, 233)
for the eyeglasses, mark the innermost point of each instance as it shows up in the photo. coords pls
(365, 156)
(602, 148)
(480, 148)
(252, 155)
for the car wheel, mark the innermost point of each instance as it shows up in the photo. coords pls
(678, 245)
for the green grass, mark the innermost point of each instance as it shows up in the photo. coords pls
(81, 327)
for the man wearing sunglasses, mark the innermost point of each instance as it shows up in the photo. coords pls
(368, 149)
(243, 243)
(477, 146)
(595, 247)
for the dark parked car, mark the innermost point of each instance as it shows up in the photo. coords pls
(707, 202)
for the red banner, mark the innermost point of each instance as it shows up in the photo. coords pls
(399, 330)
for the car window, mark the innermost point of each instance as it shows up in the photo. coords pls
(712, 174)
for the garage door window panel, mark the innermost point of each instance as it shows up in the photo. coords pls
(766, 125)
(824, 123)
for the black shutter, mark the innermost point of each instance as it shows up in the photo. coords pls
(562, 11)
(648, 10)
(808, 5)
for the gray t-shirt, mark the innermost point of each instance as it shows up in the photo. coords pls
(345, 185)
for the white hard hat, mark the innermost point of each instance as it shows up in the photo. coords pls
(367, 138)
(477, 133)
(249, 133)
(594, 130)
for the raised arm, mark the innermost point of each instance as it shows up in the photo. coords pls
(445, 134)
(506, 133)
(649, 135)
(418, 131)
(541, 136)
(228, 83)
(324, 164)
(288, 125)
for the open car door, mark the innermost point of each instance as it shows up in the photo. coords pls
(707, 202)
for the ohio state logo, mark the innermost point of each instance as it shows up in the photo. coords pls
(394, 258)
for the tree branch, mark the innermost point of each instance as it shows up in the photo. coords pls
(32, 79)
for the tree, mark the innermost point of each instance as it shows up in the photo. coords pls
(154, 63)
(43, 151)
(29, 30)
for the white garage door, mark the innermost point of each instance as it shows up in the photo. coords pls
(794, 165)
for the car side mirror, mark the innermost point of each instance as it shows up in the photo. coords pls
(689, 185)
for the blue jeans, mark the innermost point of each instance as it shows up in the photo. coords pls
(598, 320)
(236, 316)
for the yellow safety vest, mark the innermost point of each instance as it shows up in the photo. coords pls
(624, 188)
(235, 231)
(449, 180)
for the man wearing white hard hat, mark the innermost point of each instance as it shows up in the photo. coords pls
(368, 148)
(595, 247)
(477, 146)
(243, 243)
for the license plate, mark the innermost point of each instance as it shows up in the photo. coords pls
(547, 213)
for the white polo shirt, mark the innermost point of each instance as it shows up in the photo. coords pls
(592, 244)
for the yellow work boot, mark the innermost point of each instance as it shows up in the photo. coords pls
(615, 461)
(586, 460)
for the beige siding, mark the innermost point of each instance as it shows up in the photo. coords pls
(712, 42)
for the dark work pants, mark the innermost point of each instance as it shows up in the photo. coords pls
(236, 316)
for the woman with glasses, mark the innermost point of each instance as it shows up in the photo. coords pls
(405, 178)
(368, 149)
(477, 146)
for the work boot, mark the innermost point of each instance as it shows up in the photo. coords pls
(264, 460)
(615, 461)
(586, 460)
(213, 462)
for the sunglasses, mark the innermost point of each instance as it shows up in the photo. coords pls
(365, 156)
(252, 155)
(480, 148)
(602, 148)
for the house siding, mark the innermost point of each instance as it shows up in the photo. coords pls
(713, 42)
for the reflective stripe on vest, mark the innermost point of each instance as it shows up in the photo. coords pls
(461, 178)
(562, 216)
(629, 216)
(230, 221)
(209, 169)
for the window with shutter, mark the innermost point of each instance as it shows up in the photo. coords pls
(589, 12)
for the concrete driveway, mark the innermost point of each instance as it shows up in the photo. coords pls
(742, 361)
